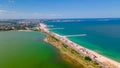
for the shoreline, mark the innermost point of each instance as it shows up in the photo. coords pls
(102, 60)
(69, 55)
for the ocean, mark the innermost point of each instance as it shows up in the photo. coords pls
(101, 35)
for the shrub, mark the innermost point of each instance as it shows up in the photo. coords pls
(88, 58)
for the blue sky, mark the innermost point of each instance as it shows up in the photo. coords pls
(10, 9)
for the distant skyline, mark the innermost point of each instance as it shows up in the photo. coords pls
(37, 9)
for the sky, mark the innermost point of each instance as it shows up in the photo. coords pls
(37, 9)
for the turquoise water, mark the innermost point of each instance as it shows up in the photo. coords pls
(103, 36)
(28, 50)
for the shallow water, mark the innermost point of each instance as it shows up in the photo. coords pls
(28, 50)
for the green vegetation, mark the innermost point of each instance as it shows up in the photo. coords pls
(88, 58)
(71, 55)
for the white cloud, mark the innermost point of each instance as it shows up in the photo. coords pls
(11, 1)
(2, 11)
(5, 14)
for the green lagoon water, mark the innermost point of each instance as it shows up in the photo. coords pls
(27, 50)
(102, 35)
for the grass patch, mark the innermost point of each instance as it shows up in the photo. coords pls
(64, 48)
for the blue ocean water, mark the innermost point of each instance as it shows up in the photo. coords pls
(102, 35)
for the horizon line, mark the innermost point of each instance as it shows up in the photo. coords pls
(65, 18)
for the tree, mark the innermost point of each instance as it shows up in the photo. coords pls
(88, 58)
